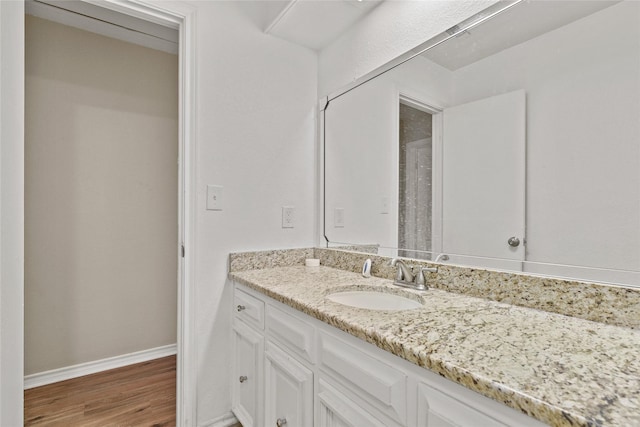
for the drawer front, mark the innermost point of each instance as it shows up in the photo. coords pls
(292, 333)
(248, 308)
(438, 409)
(337, 410)
(383, 386)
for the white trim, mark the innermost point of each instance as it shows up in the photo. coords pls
(171, 14)
(320, 220)
(186, 382)
(437, 200)
(86, 23)
(226, 420)
(88, 368)
(11, 212)
(284, 12)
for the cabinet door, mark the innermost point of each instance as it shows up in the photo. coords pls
(288, 391)
(246, 383)
(337, 410)
(437, 409)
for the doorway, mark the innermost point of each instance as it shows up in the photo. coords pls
(419, 178)
(177, 17)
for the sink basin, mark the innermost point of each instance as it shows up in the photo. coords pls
(374, 300)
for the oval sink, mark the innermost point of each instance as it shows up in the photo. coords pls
(373, 300)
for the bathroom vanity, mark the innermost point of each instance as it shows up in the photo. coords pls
(457, 360)
(426, 158)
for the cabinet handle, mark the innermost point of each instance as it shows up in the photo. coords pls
(243, 378)
(240, 307)
(280, 422)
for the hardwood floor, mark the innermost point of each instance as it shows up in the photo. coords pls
(143, 394)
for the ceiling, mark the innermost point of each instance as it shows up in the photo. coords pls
(316, 23)
(525, 21)
(311, 23)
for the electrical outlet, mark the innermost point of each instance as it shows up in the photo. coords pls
(214, 197)
(338, 218)
(288, 216)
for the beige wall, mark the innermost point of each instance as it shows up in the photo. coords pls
(101, 197)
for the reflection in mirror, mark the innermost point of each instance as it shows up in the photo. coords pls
(415, 175)
(515, 144)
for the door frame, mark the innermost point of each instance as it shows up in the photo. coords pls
(174, 14)
(422, 102)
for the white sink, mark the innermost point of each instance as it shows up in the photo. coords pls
(373, 300)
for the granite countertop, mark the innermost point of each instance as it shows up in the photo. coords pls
(561, 370)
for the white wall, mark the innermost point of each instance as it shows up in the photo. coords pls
(101, 197)
(256, 101)
(583, 156)
(11, 211)
(255, 129)
(390, 30)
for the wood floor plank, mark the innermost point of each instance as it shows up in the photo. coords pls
(143, 394)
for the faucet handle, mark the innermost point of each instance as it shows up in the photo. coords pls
(420, 279)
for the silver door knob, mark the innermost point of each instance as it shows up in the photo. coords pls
(243, 378)
(513, 242)
(240, 307)
(281, 422)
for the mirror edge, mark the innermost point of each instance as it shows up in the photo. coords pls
(467, 24)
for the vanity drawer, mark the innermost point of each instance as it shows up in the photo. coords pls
(291, 332)
(248, 308)
(382, 386)
(438, 408)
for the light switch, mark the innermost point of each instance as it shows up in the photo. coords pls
(214, 197)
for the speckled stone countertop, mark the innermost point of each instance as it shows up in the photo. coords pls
(562, 370)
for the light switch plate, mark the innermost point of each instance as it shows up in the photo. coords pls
(214, 197)
(384, 205)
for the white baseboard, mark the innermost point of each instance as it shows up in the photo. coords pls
(82, 369)
(226, 420)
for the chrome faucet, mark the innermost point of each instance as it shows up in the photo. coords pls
(404, 274)
(407, 279)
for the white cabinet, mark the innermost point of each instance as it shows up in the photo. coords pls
(249, 309)
(246, 385)
(437, 409)
(335, 409)
(295, 371)
(377, 386)
(288, 390)
(291, 333)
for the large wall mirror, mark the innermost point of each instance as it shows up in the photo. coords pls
(513, 142)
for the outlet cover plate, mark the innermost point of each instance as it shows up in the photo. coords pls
(338, 218)
(288, 216)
